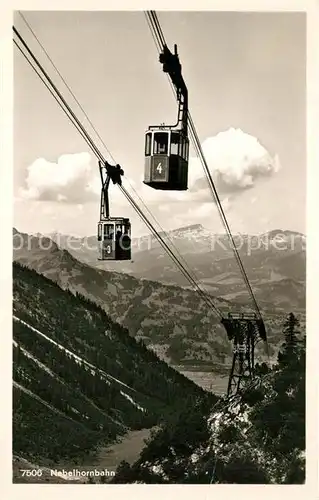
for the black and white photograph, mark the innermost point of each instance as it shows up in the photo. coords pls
(159, 247)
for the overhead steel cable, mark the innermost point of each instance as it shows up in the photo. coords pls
(222, 213)
(153, 31)
(66, 108)
(103, 143)
(90, 142)
(154, 25)
(170, 252)
(166, 235)
(67, 86)
(100, 156)
(50, 90)
(85, 114)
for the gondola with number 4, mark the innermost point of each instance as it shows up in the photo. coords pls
(167, 146)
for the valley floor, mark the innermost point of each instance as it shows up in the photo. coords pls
(107, 459)
(212, 382)
(128, 449)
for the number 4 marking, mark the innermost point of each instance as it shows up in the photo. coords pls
(159, 168)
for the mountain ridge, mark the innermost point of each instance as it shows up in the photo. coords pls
(148, 309)
(171, 318)
(183, 229)
(76, 370)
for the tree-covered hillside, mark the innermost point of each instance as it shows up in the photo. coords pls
(175, 322)
(79, 378)
(258, 437)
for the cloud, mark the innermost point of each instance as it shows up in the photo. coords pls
(235, 159)
(71, 179)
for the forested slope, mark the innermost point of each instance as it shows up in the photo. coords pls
(258, 437)
(79, 378)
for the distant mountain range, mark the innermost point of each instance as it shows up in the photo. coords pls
(275, 263)
(172, 319)
(176, 322)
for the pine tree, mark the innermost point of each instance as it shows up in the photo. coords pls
(123, 473)
(289, 351)
(290, 331)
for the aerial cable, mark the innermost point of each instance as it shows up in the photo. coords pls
(89, 140)
(51, 92)
(191, 271)
(153, 31)
(65, 83)
(66, 108)
(81, 107)
(169, 251)
(222, 214)
(198, 149)
(98, 135)
(100, 156)
(154, 22)
(158, 27)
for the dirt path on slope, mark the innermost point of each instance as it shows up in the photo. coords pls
(129, 449)
(107, 459)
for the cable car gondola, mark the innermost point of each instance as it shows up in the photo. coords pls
(114, 237)
(166, 159)
(113, 233)
(167, 146)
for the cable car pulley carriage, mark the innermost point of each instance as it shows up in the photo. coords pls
(167, 146)
(114, 233)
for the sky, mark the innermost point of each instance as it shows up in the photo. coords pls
(246, 78)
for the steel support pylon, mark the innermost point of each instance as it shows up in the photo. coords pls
(244, 332)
